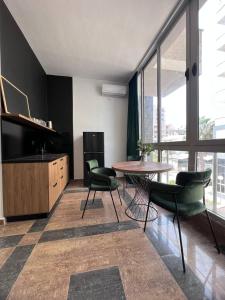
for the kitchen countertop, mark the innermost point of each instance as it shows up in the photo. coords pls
(47, 157)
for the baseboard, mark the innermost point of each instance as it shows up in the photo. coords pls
(2, 221)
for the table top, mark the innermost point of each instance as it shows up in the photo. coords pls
(140, 167)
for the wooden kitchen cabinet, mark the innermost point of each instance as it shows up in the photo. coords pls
(33, 187)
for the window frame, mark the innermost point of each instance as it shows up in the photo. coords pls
(193, 144)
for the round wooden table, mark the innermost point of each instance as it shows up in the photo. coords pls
(141, 167)
(140, 207)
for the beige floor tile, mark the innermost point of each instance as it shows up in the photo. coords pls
(14, 228)
(47, 272)
(4, 254)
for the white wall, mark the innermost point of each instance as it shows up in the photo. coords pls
(94, 112)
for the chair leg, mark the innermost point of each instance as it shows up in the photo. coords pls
(86, 203)
(146, 217)
(213, 233)
(174, 217)
(181, 244)
(93, 198)
(119, 196)
(114, 206)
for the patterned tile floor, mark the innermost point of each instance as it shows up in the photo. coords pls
(205, 274)
(51, 258)
(54, 258)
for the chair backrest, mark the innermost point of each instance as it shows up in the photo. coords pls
(194, 183)
(187, 178)
(91, 164)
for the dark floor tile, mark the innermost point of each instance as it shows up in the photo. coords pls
(69, 191)
(12, 267)
(188, 281)
(101, 284)
(10, 241)
(39, 225)
(87, 231)
(160, 243)
(164, 219)
(77, 190)
(92, 205)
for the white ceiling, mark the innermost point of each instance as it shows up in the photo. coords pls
(100, 39)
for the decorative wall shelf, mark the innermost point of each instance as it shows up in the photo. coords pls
(26, 121)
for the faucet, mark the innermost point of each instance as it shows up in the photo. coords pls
(43, 149)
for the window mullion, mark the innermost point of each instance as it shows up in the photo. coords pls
(159, 94)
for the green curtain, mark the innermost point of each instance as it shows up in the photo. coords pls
(133, 122)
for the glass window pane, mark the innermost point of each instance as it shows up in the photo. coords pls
(153, 156)
(215, 192)
(173, 84)
(150, 131)
(211, 69)
(179, 161)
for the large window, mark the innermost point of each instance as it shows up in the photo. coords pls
(173, 84)
(183, 95)
(150, 130)
(179, 161)
(215, 193)
(212, 69)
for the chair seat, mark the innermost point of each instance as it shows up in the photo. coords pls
(184, 209)
(104, 187)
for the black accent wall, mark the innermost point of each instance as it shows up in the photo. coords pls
(60, 105)
(20, 65)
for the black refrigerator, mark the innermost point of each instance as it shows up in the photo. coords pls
(93, 147)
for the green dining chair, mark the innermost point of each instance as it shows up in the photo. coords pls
(186, 198)
(101, 179)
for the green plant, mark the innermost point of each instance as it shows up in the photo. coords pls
(206, 126)
(144, 148)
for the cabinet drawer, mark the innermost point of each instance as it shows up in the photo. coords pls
(53, 194)
(62, 161)
(58, 178)
(62, 181)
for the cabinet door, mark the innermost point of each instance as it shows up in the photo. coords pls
(25, 188)
(53, 183)
(63, 172)
(66, 171)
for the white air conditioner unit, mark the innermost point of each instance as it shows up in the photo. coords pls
(114, 90)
